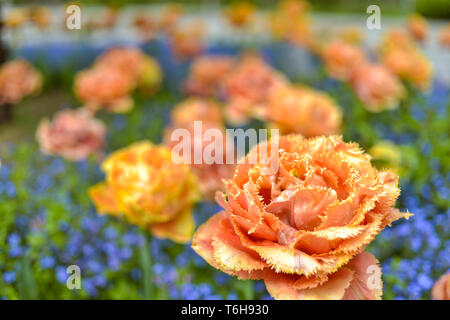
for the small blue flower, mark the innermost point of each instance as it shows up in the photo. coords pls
(13, 239)
(9, 277)
(61, 274)
(15, 252)
(47, 262)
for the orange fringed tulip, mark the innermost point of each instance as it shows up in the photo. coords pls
(410, 65)
(73, 134)
(207, 74)
(114, 75)
(305, 111)
(441, 289)
(402, 57)
(41, 16)
(150, 190)
(104, 87)
(303, 229)
(377, 87)
(341, 58)
(352, 34)
(132, 62)
(444, 36)
(18, 79)
(418, 27)
(209, 175)
(290, 21)
(188, 42)
(192, 109)
(248, 88)
(170, 17)
(16, 18)
(240, 13)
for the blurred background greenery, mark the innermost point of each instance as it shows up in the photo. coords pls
(428, 8)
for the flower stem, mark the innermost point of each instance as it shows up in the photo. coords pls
(145, 257)
(248, 290)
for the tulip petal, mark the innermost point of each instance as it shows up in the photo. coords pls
(180, 229)
(203, 238)
(340, 213)
(395, 214)
(202, 243)
(366, 283)
(355, 244)
(104, 199)
(282, 287)
(230, 254)
(304, 205)
(289, 260)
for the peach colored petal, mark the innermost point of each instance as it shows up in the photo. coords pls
(395, 214)
(341, 57)
(340, 213)
(281, 287)
(179, 229)
(366, 283)
(353, 245)
(18, 79)
(230, 254)
(303, 110)
(104, 199)
(306, 206)
(203, 238)
(441, 289)
(73, 134)
(202, 243)
(288, 260)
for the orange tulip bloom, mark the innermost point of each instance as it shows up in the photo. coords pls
(73, 134)
(291, 22)
(240, 13)
(397, 38)
(187, 42)
(418, 27)
(404, 59)
(441, 289)
(293, 8)
(146, 25)
(104, 87)
(192, 109)
(444, 36)
(209, 176)
(16, 18)
(409, 65)
(169, 17)
(305, 111)
(133, 63)
(249, 87)
(352, 34)
(377, 87)
(341, 58)
(303, 229)
(207, 74)
(149, 189)
(41, 16)
(18, 79)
